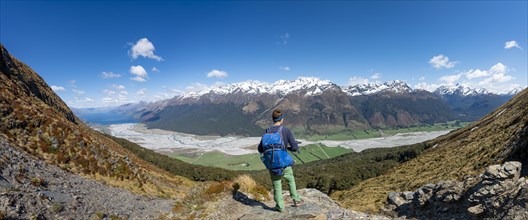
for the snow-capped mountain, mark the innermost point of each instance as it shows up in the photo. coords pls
(463, 90)
(311, 85)
(396, 86)
(469, 103)
(459, 90)
(308, 86)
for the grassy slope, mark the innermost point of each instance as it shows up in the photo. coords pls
(465, 151)
(252, 161)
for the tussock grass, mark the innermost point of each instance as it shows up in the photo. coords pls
(246, 184)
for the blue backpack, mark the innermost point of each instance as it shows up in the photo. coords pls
(275, 156)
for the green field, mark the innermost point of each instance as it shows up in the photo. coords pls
(307, 154)
(373, 133)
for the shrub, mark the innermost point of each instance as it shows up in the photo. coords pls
(57, 207)
(245, 184)
(218, 188)
(37, 182)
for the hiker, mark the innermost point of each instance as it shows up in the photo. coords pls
(273, 145)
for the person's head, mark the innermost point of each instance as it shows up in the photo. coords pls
(277, 116)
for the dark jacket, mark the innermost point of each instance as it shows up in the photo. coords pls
(287, 138)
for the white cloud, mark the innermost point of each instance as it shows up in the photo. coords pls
(78, 92)
(498, 74)
(138, 79)
(511, 44)
(356, 80)
(499, 68)
(109, 75)
(57, 88)
(196, 87)
(376, 76)
(441, 61)
(217, 74)
(107, 99)
(285, 68)
(119, 87)
(144, 48)
(451, 79)
(496, 80)
(141, 91)
(109, 92)
(116, 99)
(140, 73)
(154, 69)
(422, 78)
(471, 74)
(73, 83)
(123, 92)
(171, 92)
(426, 86)
(87, 99)
(284, 38)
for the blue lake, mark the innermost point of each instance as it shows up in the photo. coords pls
(106, 118)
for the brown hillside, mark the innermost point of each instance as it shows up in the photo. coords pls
(35, 119)
(498, 137)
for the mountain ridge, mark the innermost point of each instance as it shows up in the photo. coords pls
(313, 106)
(315, 86)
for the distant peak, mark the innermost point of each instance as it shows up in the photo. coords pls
(396, 86)
(459, 89)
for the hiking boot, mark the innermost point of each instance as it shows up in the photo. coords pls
(298, 203)
(279, 210)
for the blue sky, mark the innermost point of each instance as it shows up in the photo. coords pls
(100, 53)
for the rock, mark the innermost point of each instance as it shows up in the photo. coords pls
(397, 199)
(423, 195)
(408, 195)
(66, 196)
(317, 205)
(513, 169)
(476, 210)
(497, 194)
(510, 170)
(5, 184)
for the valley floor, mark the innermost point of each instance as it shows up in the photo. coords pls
(175, 142)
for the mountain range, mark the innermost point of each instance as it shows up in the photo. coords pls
(313, 106)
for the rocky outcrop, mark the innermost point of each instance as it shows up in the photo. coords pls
(32, 189)
(499, 193)
(317, 205)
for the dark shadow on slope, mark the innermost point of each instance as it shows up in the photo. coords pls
(244, 199)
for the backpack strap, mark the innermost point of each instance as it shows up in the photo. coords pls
(282, 138)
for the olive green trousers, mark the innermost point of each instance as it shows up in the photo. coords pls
(287, 173)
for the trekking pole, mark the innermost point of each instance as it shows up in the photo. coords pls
(298, 152)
